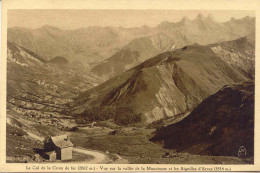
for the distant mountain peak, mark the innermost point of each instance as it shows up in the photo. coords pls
(200, 17)
(165, 23)
(246, 17)
(232, 19)
(185, 19)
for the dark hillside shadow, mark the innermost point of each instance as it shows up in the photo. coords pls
(41, 152)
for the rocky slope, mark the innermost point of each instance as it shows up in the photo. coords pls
(36, 88)
(22, 56)
(240, 54)
(94, 44)
(220, 125)
(166, 85)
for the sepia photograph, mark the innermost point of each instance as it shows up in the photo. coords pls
(129, 86)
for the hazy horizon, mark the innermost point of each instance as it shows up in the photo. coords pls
(75, 19)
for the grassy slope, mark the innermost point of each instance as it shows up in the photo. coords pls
(134, 145)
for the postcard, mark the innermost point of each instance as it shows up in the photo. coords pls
(135, 86)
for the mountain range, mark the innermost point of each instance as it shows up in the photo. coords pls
(94, 44)
(134, 53)
(173, 35)
(189, 83)
(168, 84)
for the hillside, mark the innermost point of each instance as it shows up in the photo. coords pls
(240, 54)
(36, 88)
(132, 54)
(166, 85)
(218, 126)
(95, 44)
(37, 94)
(22, 56)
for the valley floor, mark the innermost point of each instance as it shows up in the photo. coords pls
(103, 145)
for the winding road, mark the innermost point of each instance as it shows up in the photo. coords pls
(98, 156)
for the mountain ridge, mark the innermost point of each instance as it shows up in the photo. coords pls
(137, 51)
(166, 85)
(202, 30)
(95, 44)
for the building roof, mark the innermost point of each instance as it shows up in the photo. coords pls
(61, 141)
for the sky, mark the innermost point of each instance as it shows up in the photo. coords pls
(74, 19)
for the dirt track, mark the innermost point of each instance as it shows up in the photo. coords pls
(98, 156)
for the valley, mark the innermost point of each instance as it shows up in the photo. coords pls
(183, 90)
(128, 145)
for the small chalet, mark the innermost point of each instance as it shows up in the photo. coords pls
(58, 147)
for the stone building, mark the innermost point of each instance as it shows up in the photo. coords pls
(60, 145)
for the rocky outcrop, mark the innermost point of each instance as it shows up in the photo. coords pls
(22, 56)
(240, 54)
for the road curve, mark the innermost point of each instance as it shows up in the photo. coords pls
(98, 156)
